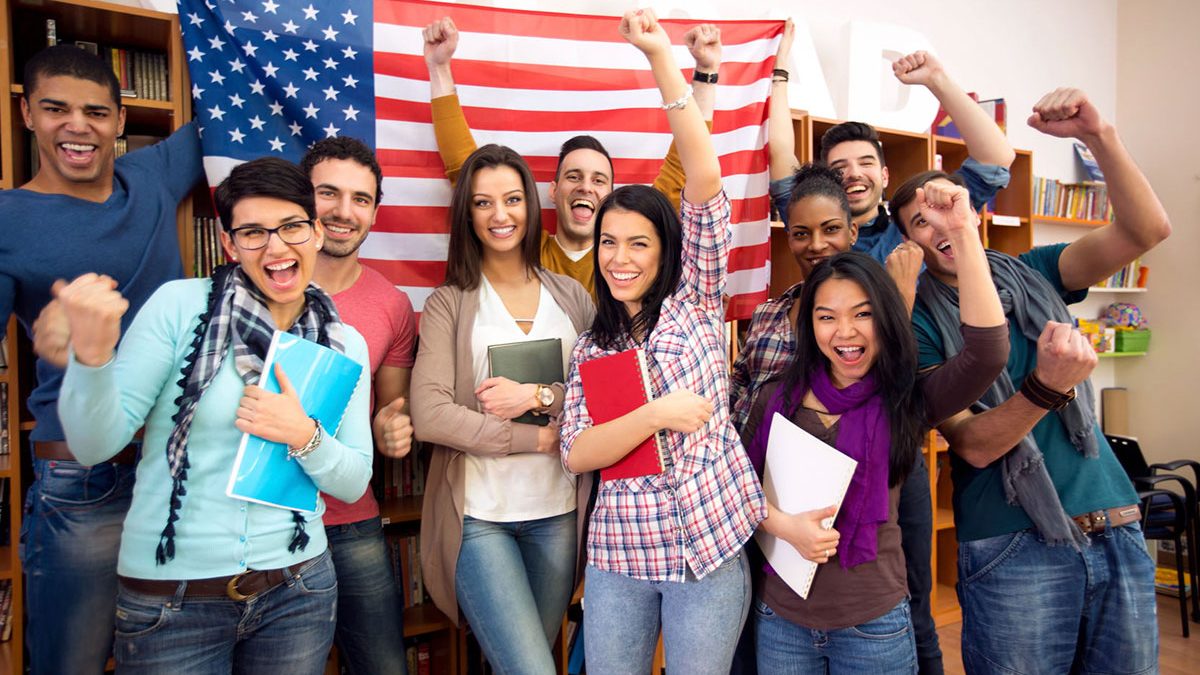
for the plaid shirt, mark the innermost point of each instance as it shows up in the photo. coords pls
(701, 510)
(770, 344)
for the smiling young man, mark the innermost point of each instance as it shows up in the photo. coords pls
(82, 212)
(584, 175)
(348, 185)
(1052, 568)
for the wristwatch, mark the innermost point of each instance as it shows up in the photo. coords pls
(544, 396)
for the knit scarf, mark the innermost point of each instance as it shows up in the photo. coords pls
(237, 315)
(864, 436)
(1029, 301)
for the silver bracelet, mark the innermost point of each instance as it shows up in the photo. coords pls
(307, 449)
(680, 102)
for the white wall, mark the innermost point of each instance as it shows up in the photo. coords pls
(1158, 102)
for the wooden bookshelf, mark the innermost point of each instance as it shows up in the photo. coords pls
(11, 653)
(1072, 222)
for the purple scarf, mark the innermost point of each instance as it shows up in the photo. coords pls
(863, 435)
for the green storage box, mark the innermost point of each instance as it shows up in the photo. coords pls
(1133, 340)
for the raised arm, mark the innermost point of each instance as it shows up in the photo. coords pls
(1139, 220)
(781, 133)
(986, 143)
(704, 43)
(696, 152)
(454, 139)
(1064, 359)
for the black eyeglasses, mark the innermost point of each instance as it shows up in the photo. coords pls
(254, 237)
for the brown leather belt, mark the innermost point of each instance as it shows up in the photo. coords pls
(1097, 520)
(239, 587)
(58, 450)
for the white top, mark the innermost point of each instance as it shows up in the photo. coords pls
(575, 256)
(523, 486)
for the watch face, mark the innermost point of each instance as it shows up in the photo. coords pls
(546, 396)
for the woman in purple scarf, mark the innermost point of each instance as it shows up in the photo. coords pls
(854, 385)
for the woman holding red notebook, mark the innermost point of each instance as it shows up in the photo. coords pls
(665, 549)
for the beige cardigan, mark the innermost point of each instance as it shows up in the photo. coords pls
(446, 413)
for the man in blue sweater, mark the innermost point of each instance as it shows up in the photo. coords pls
(83, 211)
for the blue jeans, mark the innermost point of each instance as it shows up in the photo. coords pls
(700, 620)
(70, 537)
(370, 628)
(513, 583)
(881, 645)
(915, 517)
(285, 630)
(1033, 608)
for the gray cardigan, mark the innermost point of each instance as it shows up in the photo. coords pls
(446, 414)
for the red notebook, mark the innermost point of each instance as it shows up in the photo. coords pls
(613, 386)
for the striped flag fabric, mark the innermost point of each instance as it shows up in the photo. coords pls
(270, 78)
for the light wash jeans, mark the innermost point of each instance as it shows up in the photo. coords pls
(370, 616)
(70, 537)
(285, 630)
(882, 645)
(700, 620)
(1033, 608)
(513, 583)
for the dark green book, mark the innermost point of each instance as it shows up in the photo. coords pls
(533, 361)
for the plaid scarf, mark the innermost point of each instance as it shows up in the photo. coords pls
(237, 315)
(1029, 301)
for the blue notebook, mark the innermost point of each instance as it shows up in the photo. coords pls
(325, 380)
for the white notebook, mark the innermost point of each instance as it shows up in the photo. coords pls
(802, 473)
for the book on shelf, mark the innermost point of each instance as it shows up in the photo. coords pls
(613, 386)
(1090, 167)
(995, 108)
(1087, 200)
(802, 473)
(6, 610)
(526, 362)
(1132, 275)
(325, 380)
(207, 252)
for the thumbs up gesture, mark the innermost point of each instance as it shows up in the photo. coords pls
(275, 417)
(393, 429)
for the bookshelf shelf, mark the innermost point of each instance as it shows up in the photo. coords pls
(1105, 289)
(1119, 355)
(1073, 222)
(396, 510)
(424, 619)
(943, 519)
(6, 565)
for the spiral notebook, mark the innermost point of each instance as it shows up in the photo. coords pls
(802, 473)
(325, 380)
(616, 385)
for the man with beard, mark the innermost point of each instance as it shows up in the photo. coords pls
(585, 172)
(348, 184)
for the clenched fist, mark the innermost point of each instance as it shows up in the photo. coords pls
(1064, 357)
(94, 308)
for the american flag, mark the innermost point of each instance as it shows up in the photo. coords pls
(270, 78)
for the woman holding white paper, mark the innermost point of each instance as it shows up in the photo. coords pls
(853, 384)
(209, 582)
(665, 550)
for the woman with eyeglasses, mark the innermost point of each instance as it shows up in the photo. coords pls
(210, 583)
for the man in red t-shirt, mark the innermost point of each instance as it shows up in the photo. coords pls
(348, 184)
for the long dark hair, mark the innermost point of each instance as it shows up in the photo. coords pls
(613, 323)
(895, 367)
(464, 264)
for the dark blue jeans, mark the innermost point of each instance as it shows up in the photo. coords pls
(285, 630)
(370, 628)
(70, 536)
(882, 645)
(1033, 608)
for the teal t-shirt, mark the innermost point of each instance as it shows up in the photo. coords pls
(1083, 485)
